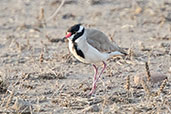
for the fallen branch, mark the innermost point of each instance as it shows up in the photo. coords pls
(57, 10)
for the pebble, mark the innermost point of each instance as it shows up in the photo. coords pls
(155, 78)
(93, 108)
(21, 105)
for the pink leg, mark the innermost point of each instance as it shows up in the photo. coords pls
(94, 80)
(101, 71)
(96, 71)
(97, 78)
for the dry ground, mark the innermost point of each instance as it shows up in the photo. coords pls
(38, 74)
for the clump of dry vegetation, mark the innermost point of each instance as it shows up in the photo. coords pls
(3, 85)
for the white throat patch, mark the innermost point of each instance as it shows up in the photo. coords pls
(80, 29)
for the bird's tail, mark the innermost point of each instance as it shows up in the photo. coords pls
(116, 53)
(120, 50)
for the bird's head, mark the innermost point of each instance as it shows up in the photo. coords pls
(74, 32)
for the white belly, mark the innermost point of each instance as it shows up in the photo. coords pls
(94, 56)
(91, 54)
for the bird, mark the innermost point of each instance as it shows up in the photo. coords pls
(92, 46)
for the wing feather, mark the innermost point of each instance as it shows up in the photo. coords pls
(101, 42)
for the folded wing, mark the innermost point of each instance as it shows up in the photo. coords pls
(101, 42)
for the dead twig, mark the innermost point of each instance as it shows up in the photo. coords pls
(42, 14)
(146, 88)
(41, 19)
(130, 54)
(162, 87)
(41, 58)
(127, 84)
(148, 71)
(57, 10)
(9, 99)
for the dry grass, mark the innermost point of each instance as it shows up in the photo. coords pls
(127, 84)
(3, 86)
(148, 71)
(162, 87)
(146, 87)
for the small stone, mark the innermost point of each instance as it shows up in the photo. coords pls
(93, 108)
(170, 69)
(167, 45)
(21, 105)
(168, 17)
(155, 78)
(138, 10)
(94, 2)
(68, 16)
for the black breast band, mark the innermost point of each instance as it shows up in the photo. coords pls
(78, 51)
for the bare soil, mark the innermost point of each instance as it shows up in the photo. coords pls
(39, 75)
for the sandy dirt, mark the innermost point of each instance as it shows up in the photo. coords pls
(39, 75)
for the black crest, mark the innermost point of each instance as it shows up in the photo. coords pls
(74, 29)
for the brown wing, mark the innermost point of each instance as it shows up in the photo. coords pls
(101, 42)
